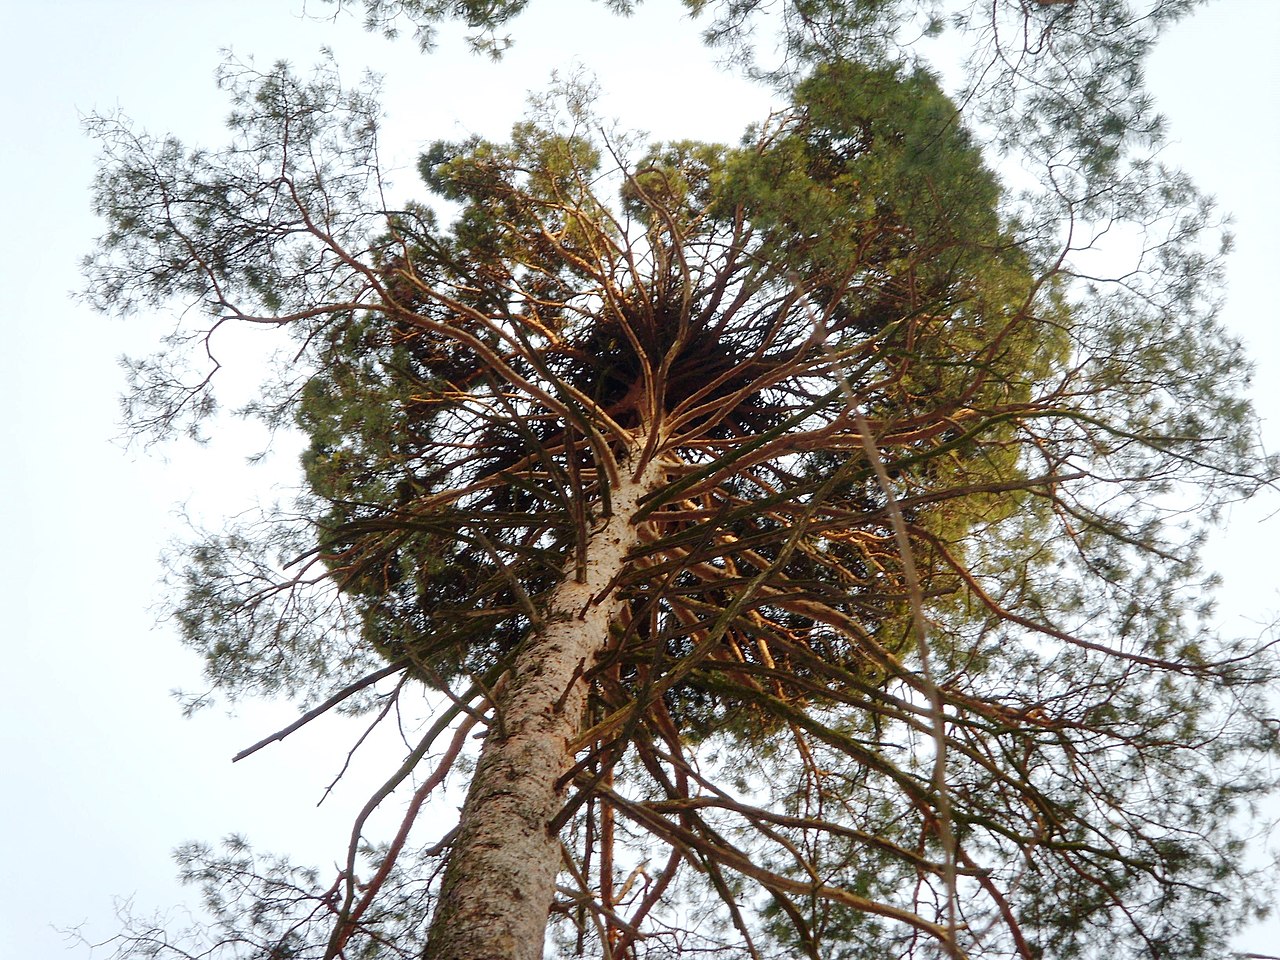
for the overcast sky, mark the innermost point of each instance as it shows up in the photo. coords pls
(102, 777)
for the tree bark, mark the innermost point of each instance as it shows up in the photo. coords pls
(500, 878)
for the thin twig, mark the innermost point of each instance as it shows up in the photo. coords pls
(946, 835)
(333, 701)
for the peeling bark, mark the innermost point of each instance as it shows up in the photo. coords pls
(500, 878)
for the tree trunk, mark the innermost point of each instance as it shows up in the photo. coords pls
(500, 878)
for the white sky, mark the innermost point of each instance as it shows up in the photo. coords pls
(101, 776)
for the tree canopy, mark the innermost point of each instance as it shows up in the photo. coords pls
(811, 539)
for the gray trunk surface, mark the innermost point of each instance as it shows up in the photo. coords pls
(500, 879)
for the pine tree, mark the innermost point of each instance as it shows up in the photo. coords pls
(789, 516)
